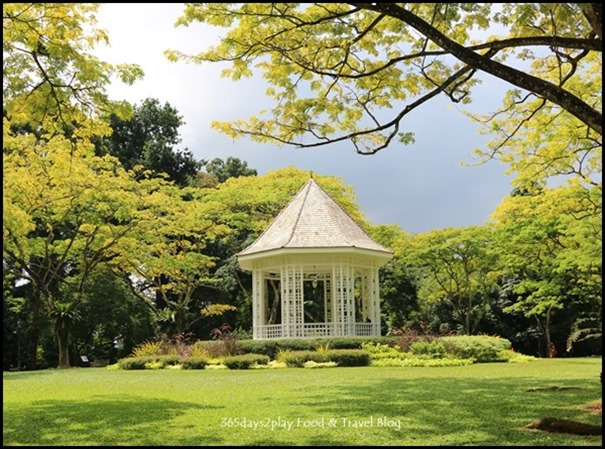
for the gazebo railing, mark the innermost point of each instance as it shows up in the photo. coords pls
(316, 330)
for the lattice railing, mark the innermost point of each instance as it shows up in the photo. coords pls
(316, 330)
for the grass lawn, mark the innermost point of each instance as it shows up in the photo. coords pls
(484, 404)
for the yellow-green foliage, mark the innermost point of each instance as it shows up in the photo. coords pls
(282, 355)
(481, 348)
(199, 352)
(148, 348)
(382, 351)
(217, 309)
(414, 361)
(515, 357)
(331, 74)
(323, 348)
(156, 364)
(312, 364)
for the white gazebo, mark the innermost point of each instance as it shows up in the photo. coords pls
(314, 272)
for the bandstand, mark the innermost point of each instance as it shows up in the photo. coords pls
(314, 272)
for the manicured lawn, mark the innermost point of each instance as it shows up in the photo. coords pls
(482, 404)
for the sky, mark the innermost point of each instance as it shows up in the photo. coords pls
(420, 187)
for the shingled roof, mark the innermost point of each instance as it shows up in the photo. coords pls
(313, 219)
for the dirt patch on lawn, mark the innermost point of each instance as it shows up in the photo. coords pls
(564, 426)
(553, 388)
(594, 407)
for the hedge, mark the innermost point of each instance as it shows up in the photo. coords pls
(195, 363)
(480, 348)
(273, 347)
(343, 357)
(245, 361)
(140, 362)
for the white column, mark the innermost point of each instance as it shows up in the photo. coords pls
(292, 299)
(375, 300)
(366, 303)
(257, 304)
(343, 299)
(328, 299)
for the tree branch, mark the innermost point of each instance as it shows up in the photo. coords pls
(574, 105)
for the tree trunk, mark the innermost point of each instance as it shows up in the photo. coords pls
(276, 301)
(469, 311)
(62, 336)
(550, 347)
(545, 328)
(32, 348)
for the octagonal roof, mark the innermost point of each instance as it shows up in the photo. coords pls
(313, 220)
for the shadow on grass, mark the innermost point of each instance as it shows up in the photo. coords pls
(322, 440)
(20, 375)
(488, 412)
(104, 421)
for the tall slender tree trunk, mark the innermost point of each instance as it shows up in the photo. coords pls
(545, 328)
(550, 349)
(32, 344)
(62, 337)
(469, 311)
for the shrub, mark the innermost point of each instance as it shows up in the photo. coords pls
(198, 352)
(346, 342)
(228, 339)
(149, 362)
(169, 359)
(382, 351)
(295, 344)
(481, 348)
(148, 348)
(177, 344)
(407, 336)
(297, 359)
(322, 348)
(358, 342)
(211, 348)
(413, 362)
(311, 364)
(514, 357)
(174, 366)
(343, 357)
(195, 363)
(273, 364)
(266, 347)
(133, 362)
(154, 364)
(273, 347)
(245, 361)
(220, 366)
(432, 350)
(349, 357)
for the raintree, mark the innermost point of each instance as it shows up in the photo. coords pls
(353, 72)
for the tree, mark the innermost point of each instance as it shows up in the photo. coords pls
(113, 320)
(149, 138)
(165, 261)
(51, 83)
(397, 287)
(231, 168)
(550, 251)
(62, 217)
(54, 101)
(335, 70)
(457, 267)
